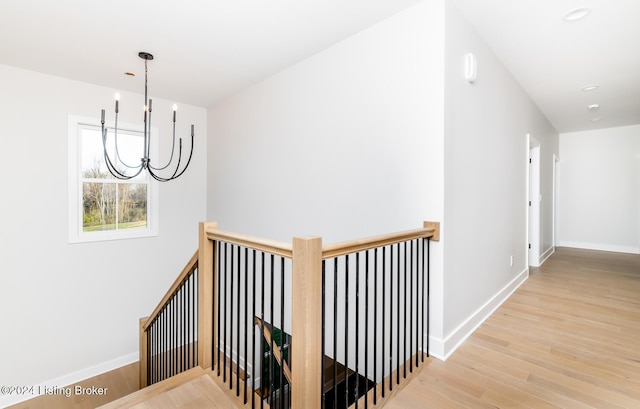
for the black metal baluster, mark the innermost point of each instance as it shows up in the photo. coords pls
(246, 315)
(384, 296)
(335, 331)
(169, 341)
(346, 329)
(384, 317)
(253, 331)
(375, 328)
(194, 315)
(262, 333)
(233, 263)
(404, 333)
(366, 329)
(185, 324)
(219, 297)
(158, 342)
(176, 331)
(224, 316)
(150, 349)
(322, 338)
(151, 364)
(271, 348)
(174, 308)
(283, 337)
(238, 265)
(417, 287)
(398, 320)
(422, 295)
(187, 318)
(428, 289)
(161, 337)
(411, 255)
(357, 326)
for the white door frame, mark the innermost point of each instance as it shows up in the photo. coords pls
(533, 201)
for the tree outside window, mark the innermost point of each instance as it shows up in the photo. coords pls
(109, 203)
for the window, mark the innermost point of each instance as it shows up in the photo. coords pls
(102, 207)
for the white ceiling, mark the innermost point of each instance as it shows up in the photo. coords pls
(208, 49)
(553, 59)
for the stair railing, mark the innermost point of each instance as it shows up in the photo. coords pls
(375, 316)
(168, 337)
(260, 302)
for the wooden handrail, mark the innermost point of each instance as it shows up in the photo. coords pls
(260, 244)
(186, 271)
(353, 246)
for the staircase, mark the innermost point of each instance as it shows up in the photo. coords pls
(254, 323)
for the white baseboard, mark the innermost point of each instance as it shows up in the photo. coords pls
(546, 255)
(600, 247)
(443, 348)
(60, 383)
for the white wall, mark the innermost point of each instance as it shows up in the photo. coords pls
(599, 189)
(486, 163)
(71, 311)
(345, 144)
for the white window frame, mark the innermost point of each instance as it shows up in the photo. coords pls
(75, 208)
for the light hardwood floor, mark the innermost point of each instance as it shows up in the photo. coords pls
(569, 337)
(119, 382)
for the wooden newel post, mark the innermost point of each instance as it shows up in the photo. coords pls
(205, 295)
(306, 316)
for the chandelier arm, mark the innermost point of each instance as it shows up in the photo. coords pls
(173, 147)
(115, 140)
(110, 167)
(175, 173)
(190, 156)
(163, 179)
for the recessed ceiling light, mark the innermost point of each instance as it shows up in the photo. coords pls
(594, 107)
(577, 14)
(590, 87)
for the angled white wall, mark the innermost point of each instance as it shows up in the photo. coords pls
(70, 311)
(486, 148)
(345, 144)
(599, 189)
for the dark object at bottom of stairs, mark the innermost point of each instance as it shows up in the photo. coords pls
(331, 401)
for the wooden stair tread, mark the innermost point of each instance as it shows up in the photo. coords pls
(191, 389)
(328, 373)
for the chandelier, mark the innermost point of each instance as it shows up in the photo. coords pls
(126, 171)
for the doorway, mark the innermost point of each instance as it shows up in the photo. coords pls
(534, 202)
